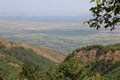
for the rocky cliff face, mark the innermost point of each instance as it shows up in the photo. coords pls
(97, 53)
(96, 62)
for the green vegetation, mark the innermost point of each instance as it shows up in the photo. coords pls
(73, 69)
(31, 72)
(101, 48)
(105, 12)
(18, 63)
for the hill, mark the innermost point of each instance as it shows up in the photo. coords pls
(96, 62)
(23, 61)
(47, 53)
(13, 57)
(98, 52)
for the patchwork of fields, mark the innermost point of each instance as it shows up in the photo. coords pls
(62, 37)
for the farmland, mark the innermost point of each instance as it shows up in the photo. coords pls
(62, 37)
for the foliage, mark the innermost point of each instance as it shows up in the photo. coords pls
(97, 77)
(113, 72)
(30, 71)
(24, 55)
(99, 66)
(101, 49)
(18, 60)
(106, 12)
(68, 70)
(73, 69)
(31, 66)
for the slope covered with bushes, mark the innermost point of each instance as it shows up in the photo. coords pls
(96, 62)
(14, 60)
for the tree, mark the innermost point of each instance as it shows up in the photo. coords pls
(30, 71)
(71, 69)
(106, 13)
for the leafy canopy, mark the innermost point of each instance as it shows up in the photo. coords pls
(106, 13)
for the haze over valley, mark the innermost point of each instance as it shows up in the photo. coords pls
(59, 39)
(63, 37)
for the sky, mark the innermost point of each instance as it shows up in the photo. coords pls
(44, 7)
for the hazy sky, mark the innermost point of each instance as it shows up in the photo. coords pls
(44, 7)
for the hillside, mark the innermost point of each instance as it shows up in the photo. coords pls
(23, 61)
(99, 59)
(96, 62)
(13, 57)
(47, 53)
(98, 52)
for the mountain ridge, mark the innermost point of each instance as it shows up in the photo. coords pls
(98, 52)
(94, 62)
(47, 53)
(16, 59)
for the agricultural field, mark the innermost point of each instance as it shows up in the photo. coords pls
(61, 37)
